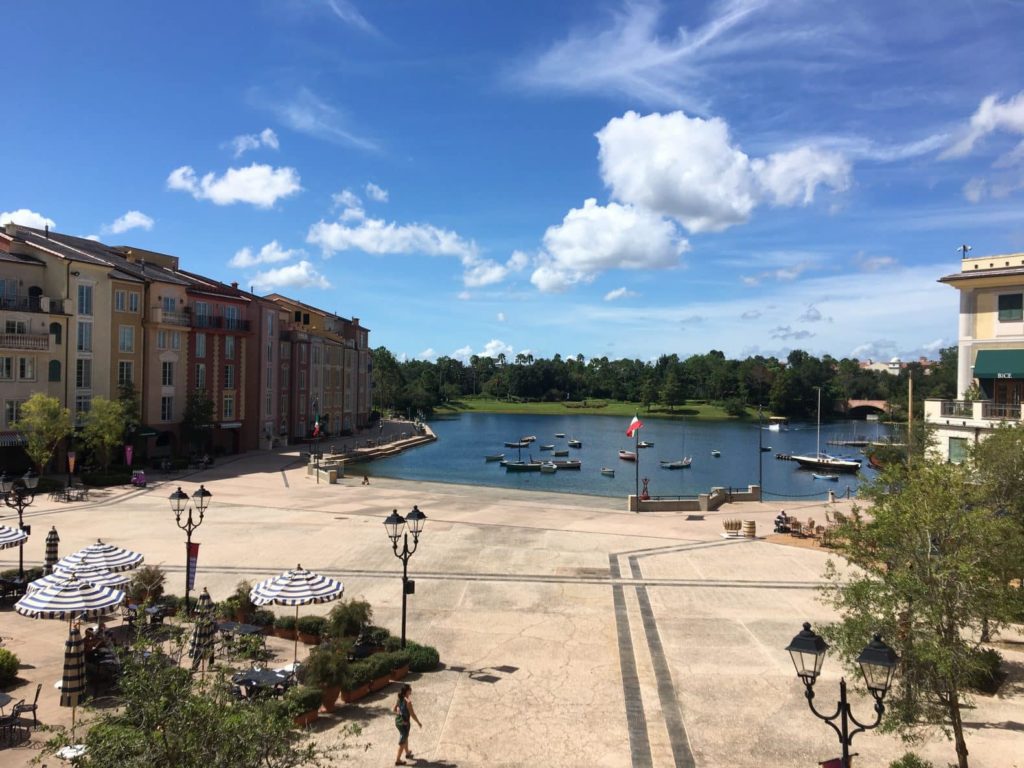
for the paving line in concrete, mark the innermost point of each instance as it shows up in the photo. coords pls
(636, 718)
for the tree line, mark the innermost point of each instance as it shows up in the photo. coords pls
(783, 387)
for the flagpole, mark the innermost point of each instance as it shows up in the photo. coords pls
(636, 451)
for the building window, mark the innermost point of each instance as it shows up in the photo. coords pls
(27, 368)
(167, 374)
(56, 330)
(15, 326)
(270, 377)
(120, 301)
(202, 310)
(11, 409)
(133, 302)
(169, 304)
(166, 408)
(957, 450)
(229, 407)
(231, 318)
(83, 373)
(200, 345)
(200, 375)
(161, 339)
(54, 370)
(84, 336)
(83, 404)
(270, 403)
(302, 380)
(1011, 307)
(229, 347)
(286, 351)
(126, 338)
(229, 377)
(125, 371)
(175, 339)
(85, 299)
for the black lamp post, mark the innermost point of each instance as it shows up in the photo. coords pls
(396, 525)
(19, 493)
(179, 504)
(878, 665)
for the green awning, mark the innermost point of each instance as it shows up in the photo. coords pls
(999, 364)
(145, 431)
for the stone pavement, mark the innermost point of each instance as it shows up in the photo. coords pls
(572, 632)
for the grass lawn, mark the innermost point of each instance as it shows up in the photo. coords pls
(692, 409)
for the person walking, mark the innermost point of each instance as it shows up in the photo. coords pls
(404, 712)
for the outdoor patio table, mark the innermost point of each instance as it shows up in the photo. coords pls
(259, 678)
(235, 628)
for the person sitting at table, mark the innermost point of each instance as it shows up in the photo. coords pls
(782, 522)
(91, 641)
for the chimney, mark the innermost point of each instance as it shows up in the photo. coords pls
(11, 229)
(234, 284)
(47, 230)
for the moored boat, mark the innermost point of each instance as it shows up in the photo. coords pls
(823, 460)
(607, 471)
(517, 444)
(547, 448)
(716, 453)
(683, 463)
(522, 466)
(645, 444)
(548, 467)
(575, 443)
(627, 455)
(560, 452)
(819, 476)
(559, 434)
(567, 463)
(494, 457)
(527, 438)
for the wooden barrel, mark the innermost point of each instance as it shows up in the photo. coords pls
(749, 528)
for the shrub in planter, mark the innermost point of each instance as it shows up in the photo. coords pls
(9, 664)
(401, 661)
(310, 628)
(303, 703)
(262, 617)
(244, 605)
(284, 627)
(348, 617)
(326, 668)
(360, 673)
(228, 608)
(380, 667)
(422, 658)
(377, 636)
(146, 585)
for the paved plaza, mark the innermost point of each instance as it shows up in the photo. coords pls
(572, 632)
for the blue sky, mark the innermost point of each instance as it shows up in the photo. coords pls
(607, 178)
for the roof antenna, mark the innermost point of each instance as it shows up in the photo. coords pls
(964, 250)
(47, 228)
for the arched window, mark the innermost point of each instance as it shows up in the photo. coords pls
(55, 369)
(55, 330)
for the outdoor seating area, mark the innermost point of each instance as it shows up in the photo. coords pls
(74, 491)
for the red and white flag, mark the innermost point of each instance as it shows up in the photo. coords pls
(634, 425)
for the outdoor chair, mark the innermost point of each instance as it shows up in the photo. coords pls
(10, 724)
(23, 709)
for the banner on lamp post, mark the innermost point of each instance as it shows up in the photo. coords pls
(71, 462)
(193, 561)
(129, 451)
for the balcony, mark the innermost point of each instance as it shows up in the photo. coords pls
(218, 322)
(982, 414)
(1000, 411)
(170, 317)
(39, 342)
(32, 304)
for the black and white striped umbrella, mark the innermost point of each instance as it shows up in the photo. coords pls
(72, 682)
(69, 598)
(96, 576)
(11, 537)
(100, 555)
(200, 645)
(52, 540)
(297, 587)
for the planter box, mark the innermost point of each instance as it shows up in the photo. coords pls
(309, 639)
(330, 697)
(355, 694)
(301, 721)
(399, 673)
(380, 682)
(284, 634)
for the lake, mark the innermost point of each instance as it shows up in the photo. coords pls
(464, 440)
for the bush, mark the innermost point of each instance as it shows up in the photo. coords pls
(101, 479)
(393, 644)
(242, 600)
(311, 625)
(348, 618)
(360, 673)
(262, 617)
(303, 698)
(986, 674)
(285, 622)
(325, 666)
(910, 760)
(377, 636)
(147, 584)
(422, 658)
(9, 664)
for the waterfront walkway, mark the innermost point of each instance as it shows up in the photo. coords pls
(573, 633)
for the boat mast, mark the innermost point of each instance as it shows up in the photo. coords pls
(818, 442)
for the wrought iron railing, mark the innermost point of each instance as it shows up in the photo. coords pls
(957, 408)
(1004, 411)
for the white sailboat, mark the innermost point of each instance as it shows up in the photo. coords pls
(823, 460)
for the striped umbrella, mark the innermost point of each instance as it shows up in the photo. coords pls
(297, 587)
(72, 682)
(11, 537)
(52, 540)
(96, 576)
(69, 598)
(200, 646)
(100, 555)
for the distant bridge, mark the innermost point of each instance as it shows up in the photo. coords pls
(860, 408)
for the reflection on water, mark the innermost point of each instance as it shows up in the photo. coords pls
(464, 440)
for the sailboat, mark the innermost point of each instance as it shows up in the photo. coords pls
(684, 462)
(823, 460)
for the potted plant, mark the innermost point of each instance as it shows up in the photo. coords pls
(284, 627)
(310, 629)
(262, 617)
(348, 617)
(358, 684)
(400, 661)
(304, 704)
(326, 668)
(146, 585)
(380, 667)
(244, 606)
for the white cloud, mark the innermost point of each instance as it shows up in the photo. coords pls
(346, 199)
(380, 237)
(813, 315)
(619, 293)
(259, 185)
(879, 349)
(305, 112)
(496, 347)
(518, 261)
(974, 190)
(751, 314)
(935, 346)
(992, 115)
(463, 353)
(873, 263)
(690, 169)
(596, 238)
(300, 275)
(427, 354)
(27, 218)
(270, 253)
(94, 238)
(464, 296)
(501, 317)
(130, 220)
(480, 272)
(786, 333)
(248, 141)
(349, 14)
(376, 193)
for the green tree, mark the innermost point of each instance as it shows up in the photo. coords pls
(128, 396)
(44, 422)
(197, 421)
(103, 428)
(928, 573)
(672, 392)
